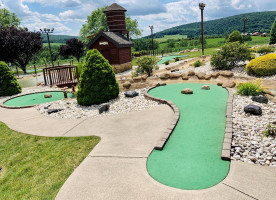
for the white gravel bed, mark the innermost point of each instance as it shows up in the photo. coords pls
(248, 143)
(238, 71)
(118, 105)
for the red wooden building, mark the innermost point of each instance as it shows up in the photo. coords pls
(114, 44)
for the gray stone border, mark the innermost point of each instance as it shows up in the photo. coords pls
(226, 147)
(166, 135)
(20, 107)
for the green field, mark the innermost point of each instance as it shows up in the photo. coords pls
(166, 37)
(53, 44)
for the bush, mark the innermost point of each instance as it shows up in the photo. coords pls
(235, 36)
(198, 63)
(250, 88)
(230, 55)
(146, 64)
(167, 62)
(265, 49)
(273, 33)
(176, 59)
(248, 38)
(262, 66)
(8, 82)
(97, 80)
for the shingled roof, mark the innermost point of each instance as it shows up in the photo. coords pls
(116, 38)
(115, 7)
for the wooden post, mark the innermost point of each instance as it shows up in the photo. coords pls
(44, 75)
(17, 71)
(77, 73)
(58, 63)
(50, 78)
(65, 94)
(35, 69)
(72, 62)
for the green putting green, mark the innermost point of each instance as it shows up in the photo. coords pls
(191, 158)
(35, 99)
(168, 58)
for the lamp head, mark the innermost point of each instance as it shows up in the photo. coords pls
(201, 6)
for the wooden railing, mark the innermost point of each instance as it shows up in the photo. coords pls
(151, 52)
(61, 76)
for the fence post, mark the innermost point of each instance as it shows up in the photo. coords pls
(35, 69)
(44, 75)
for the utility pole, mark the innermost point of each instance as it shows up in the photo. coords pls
(47, 31)
(244, 22)
(201, 7)
(151, 28)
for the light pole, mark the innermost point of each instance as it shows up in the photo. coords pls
(151, 28)
(47, 31)
(244, 22)
(201, 7)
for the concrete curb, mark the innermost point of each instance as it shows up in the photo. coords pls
(226, 146)
(166, 135)
(20, 107)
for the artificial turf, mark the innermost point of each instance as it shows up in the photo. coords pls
(191, 158)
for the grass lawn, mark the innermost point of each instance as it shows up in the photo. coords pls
(36, 167)
(166, 37)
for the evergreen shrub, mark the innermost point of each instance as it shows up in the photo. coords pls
(263, 65)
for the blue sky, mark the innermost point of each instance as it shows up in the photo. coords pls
(67, 16)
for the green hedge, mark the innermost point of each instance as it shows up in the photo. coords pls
(8, 82)
(97, 80)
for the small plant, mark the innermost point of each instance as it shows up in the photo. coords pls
(250, 88)
(270, 130)
(176, 59)
(146, 64)
(265, 49)
(198, 63)
(134, 73)
(167, 62)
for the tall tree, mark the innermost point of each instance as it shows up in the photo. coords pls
(73, 47)
(8, 19)
(96, 22)
(19, 45)
(273, 33)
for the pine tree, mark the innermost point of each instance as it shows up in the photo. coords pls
(273, 33)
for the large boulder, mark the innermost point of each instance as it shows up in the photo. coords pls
(126, 84)
(215, 74)
(229, 84)
(200, 75)
(164, 75)
(187, 91)
(137, 79)
(160, 84)
(260, 99)
(253, 109)
(185, 76)
(175, 75)
(227, 74)
(131, 94)
(191, 73)
(207, 76)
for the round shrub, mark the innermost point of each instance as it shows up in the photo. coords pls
(235, 36)
(167, 62)
(97, 80)
(262, 66)
(198, 63)
(8, 82)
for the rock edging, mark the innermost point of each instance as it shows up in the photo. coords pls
(226, 147)
(166, 135)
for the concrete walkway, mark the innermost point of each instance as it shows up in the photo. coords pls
(116, 168)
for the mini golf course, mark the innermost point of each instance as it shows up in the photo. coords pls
(35, 99)
(191, 158)
(168, 58)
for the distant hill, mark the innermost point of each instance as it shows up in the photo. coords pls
(257, 21)
(57, 38)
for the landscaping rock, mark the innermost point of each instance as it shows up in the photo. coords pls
(168, 68)
(47, 95)
(219, 84)
(227, 74)
(54, 110)
(205, 87)
(137, 79)
(160, 84)
(229, 84)
(253, 109)
(164, 75)
(175, 70)
(175, 75)
(127, 84)
(268, 92)
(207, 76)
(187, 91)
(260, 99)
(48, 106)
(215, 74)
(144, 77)
(191, 73)
(103, 108)
(185, 76)
(200, 75)
(131, 94)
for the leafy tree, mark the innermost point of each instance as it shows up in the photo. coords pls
(19, 45)
(96, 22)
(146, 64)
(8, 19)
(64, 51)
(235, 36)
(97, 80)
(8, 83)
(248, 38)
(145, 44)
(230, 55)
(200, 41)
(74, 47)
(273, 33)
(171, 43)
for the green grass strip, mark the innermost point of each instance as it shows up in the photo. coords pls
(35, 99)
(191, 158)
(36, 167)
